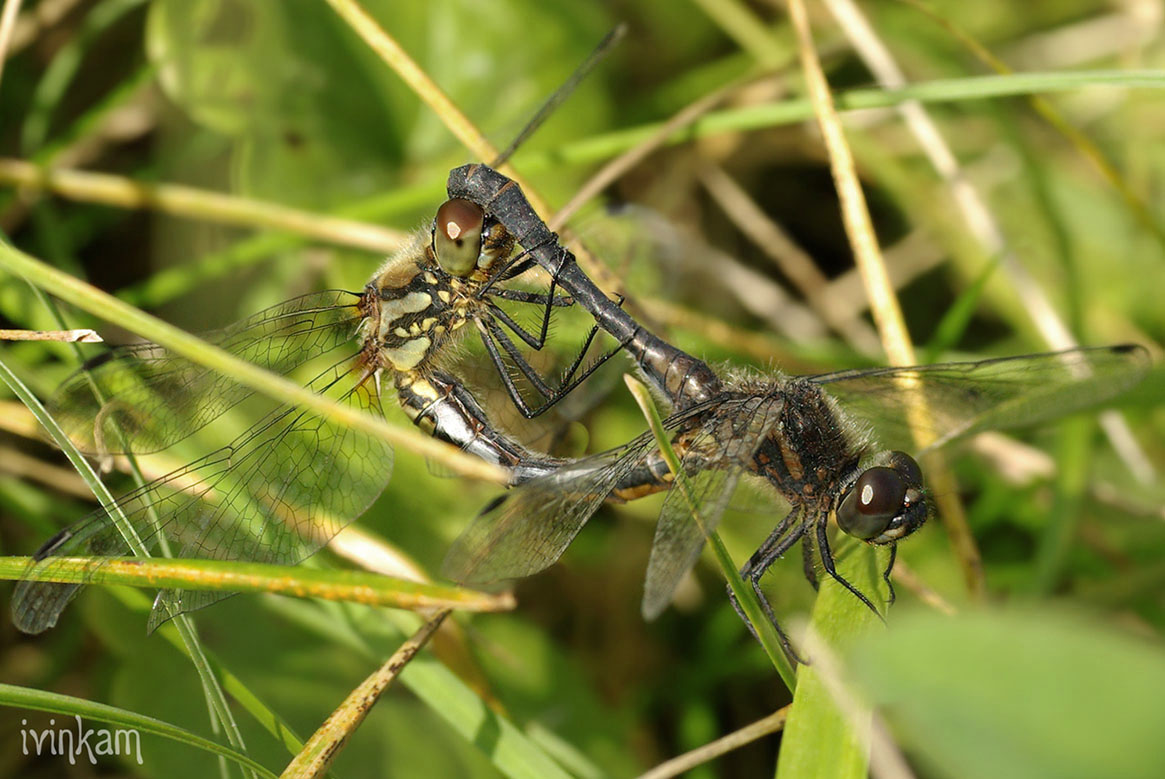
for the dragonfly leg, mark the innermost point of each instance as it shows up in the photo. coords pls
(492, 335)
(809, 563)
(680, 376)
(533, 341)
(779, 541)
(831, 569)
(520, 263)
(886, 574)
(538, 298)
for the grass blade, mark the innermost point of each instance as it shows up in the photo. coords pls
(39, 700)
(744, 595)
(369, 589)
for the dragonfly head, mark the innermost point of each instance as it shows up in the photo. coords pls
(464, 240)
(885, 503)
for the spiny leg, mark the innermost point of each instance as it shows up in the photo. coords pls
(540, 298)
(779, 541)
(886, 574)
(809, 563)
(520, 263)
(516, 266)
(535, 342)
(831, 569)
(491, 335)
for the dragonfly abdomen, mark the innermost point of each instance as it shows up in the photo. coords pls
(442, 407)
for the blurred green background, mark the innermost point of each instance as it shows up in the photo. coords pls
(280, 101)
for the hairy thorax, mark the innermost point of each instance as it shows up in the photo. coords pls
(812, 446)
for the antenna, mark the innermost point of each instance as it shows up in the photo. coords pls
(563, 92)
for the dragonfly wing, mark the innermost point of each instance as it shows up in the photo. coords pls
(151, 398)
(684, 523)
(950, 401)
(713, 462)
(528, 529)
(277, 494)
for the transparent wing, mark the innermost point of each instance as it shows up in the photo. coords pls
(277, 494)
(964, 398)
(715, 458)
(157, 398)
(527, 529)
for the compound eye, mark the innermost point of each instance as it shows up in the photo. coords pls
(875, 500)
(907, 466)
(457, 236)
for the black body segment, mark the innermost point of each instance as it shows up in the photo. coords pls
(681, 377)
(804, 443)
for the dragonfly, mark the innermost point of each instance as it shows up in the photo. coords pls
(832, 446)
(291, 481)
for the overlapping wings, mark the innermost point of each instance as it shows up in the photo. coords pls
(275, 494)
(528, 529)
(148, 398)
(949, 401)
(713, 463)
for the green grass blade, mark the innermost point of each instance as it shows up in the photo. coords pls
(369, 589)
(1018, 693)
(507, 747)
(744, 595)
(54, 85)
(503, 742)
(220, 710)
(767, 115)
(822, 739)
(39, 700)
(138, 602)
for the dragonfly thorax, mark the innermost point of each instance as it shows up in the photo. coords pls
(811, 447)
(414, 306)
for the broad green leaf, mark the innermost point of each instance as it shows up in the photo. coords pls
(1019, 694)
(822, 738)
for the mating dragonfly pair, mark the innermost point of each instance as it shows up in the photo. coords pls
(831, 445)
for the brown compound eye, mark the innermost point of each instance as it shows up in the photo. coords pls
(878, 496)
(457, 236)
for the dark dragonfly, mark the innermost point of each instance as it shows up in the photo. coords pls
(287, 484)
(832, 446)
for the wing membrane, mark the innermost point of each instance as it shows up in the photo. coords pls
(528, 529)
(157, 398)
(278, 493)
(715, 458)
(965, 398)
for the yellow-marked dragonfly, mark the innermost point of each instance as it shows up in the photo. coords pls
(290, 482)
(286, 485)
